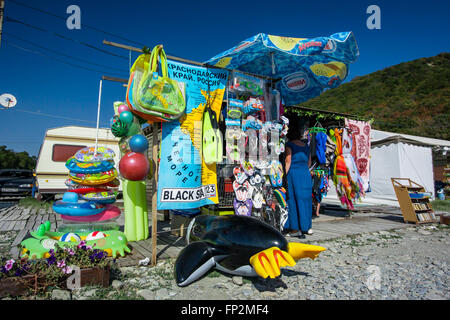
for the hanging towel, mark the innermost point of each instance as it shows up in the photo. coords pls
(360, 132)
(321, 147)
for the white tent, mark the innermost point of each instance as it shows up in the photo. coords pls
(398, 157)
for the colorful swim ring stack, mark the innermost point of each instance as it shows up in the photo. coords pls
(134, 168)
(92, 190)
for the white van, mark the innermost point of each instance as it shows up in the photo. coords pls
(58, 146)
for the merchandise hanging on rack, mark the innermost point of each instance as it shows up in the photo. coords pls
(360, 132)
(332, 147)
(253, 146)
(193, 181)
(345, 174)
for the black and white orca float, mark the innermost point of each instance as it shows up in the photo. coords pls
(238, 245)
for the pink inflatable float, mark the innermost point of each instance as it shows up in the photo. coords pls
(109, 213)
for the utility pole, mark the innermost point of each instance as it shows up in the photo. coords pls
(2, 11)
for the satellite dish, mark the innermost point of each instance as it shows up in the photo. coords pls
(7, 100)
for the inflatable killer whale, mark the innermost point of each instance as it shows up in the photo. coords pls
(238, 245)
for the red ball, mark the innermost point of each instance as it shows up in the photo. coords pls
(134, 166)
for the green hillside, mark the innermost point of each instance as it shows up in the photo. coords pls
(411, 97)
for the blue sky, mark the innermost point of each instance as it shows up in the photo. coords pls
(196, 30)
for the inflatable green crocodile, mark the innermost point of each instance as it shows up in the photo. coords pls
(43, 240)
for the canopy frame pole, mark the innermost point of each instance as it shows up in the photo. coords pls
(130, 48)
(98, 116)
(273, 62)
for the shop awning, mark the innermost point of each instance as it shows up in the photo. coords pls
(306, 66)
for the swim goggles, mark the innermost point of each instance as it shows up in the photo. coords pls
(253, 105)
(234, 133)
(235, 108)
(251, 123)
(234, 113)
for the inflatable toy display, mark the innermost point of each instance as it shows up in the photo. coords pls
(91, 167)
(79, 188)
(126, 117)
(238, 245)
(99, 195)
(88, 154)
(93, 179)
(119, 128)
(134, 166)
(77, 208)
(123, 107)
(70, 205)
(110, 213)
(138, 143)
(92, 189)
(70, 237)
(43, 240)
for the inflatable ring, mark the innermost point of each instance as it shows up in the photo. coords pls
(93, 179)
(88, 154)
(99, 195)
(103, 197)
(78, 208)
(110, 213)
(87, 189)
(88, 167)
(79, 188)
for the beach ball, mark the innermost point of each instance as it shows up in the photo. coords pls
(119, 128)
(126, 117)
(70, 237)
(122, 108)
(95, 235)
(134, 166)
(113, 120)
(138, 143)
(124, 145)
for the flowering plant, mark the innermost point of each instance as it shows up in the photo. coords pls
(57, 266)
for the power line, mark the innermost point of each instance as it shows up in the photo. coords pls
(62, 54)
(65, 18)
(56, 59)
(9, 19)
(52, 115)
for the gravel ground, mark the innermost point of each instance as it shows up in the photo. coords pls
(409, 263)
(6, 239)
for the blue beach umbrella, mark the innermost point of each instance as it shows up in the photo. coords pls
(306, 66)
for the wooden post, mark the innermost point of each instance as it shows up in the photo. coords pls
(155, 192)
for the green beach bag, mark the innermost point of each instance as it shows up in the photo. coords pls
(160, 93)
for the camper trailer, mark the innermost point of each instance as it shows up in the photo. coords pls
(58, 146)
